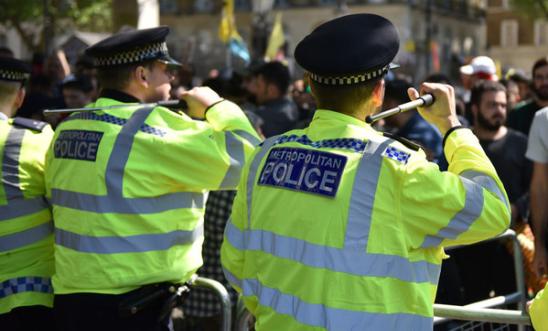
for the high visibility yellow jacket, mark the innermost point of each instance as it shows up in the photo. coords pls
(336, 227)
(128, 188)
(26, 227)
(538, 310)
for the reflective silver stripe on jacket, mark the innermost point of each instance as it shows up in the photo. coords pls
(319, 315)
(487, 183)
(348, 261)
(17, 205)
(461, 222)
(127, 244)
(25, 237)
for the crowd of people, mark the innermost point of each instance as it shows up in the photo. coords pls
(507, 114)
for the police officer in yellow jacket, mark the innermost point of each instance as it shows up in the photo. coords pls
(26, 228)
(128, 185)
(337, 227)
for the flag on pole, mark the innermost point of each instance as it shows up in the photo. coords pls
(228, 33)
(276, 39)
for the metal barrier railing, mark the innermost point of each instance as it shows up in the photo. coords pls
(482, 311)
(223, 295)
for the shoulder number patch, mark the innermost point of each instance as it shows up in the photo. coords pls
(303, 170)
(77, 145)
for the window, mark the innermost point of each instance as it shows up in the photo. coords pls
(541, 32)
(509, 33)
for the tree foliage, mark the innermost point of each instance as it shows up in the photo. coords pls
(532, 8)
(28, 17)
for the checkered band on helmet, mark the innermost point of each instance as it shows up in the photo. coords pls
(16, 76)
(349, 80)
(143, 53)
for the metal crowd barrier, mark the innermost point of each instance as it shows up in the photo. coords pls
(483, 311)
(222, 293)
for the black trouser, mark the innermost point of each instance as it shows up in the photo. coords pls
(101, 312)
(31, 318)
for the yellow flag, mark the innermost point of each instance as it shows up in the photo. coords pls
(277, 38)
(227, 27)
(498, 66)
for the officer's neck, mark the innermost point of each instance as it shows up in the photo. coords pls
(8, 109)
(135, 92)
(3, 116)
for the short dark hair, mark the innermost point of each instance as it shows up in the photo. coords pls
(483, 86)
(341, 97)
(8, 89)
(117, 78)
(543, 61)
(275, 73)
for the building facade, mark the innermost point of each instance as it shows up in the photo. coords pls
(455, 29)
(515, 39)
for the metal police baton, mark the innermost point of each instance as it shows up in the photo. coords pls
(423, 101)
(178, 104)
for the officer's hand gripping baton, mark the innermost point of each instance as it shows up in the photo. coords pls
(423, 101)
(179, 104)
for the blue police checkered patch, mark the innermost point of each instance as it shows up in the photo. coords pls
(396, 154)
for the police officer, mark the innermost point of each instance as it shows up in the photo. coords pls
(128, 185)
(336, 227)
(26, 228)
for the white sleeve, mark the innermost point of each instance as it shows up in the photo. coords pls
(537, 146)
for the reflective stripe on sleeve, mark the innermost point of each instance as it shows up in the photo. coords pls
(462, 221)
(20, 207)
(248, 136)
(329, 318)
(487, 183)
(25, 237)
(25, 284)
(235, 150)
(127, 244)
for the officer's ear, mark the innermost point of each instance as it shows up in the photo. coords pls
(141, 75)
(378, 94)
(19, 98)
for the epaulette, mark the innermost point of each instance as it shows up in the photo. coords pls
(406, 142)
(28, 123)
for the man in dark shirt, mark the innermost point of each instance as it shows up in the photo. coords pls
(491, 262)
(279, 113)
(521, 118)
